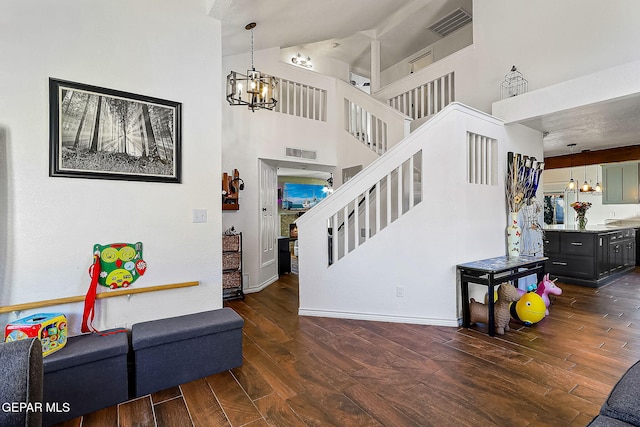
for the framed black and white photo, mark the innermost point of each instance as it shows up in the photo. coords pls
(109, 134)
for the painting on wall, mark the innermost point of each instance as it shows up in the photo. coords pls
(110, 134)
(300, 197)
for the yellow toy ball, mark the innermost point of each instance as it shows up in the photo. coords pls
(529, 309)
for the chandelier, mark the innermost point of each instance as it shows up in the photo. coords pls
(254, 89)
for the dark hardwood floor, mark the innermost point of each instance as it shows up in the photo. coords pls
(305, 371)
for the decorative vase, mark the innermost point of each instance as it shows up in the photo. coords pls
(514, 232)
(581, 220)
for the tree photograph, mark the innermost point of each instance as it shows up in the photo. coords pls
(103, 133)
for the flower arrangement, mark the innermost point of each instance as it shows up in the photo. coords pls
(581, 207)
(581, 210)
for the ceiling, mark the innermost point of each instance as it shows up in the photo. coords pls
(344, 29)
(340, 29)
(598, 126)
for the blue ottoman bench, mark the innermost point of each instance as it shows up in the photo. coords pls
(173, 351)
(622, 407)
(89, 373)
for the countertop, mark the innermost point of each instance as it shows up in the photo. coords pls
(596, 228)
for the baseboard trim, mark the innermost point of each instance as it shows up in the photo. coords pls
(378, 317)
(262, 286)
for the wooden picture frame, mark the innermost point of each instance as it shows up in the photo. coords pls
(104, 133)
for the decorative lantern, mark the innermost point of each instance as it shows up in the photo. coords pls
(514, 84)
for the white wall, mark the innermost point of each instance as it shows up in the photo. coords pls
(440, 50)
(250, 136)
(160, 48)
(549, 41)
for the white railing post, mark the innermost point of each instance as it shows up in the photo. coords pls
(367, 213)
(411, 183)
(377, 207)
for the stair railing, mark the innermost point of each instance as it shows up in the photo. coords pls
(372, 122)
(427, 99)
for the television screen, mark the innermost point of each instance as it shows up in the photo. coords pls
(301, 196)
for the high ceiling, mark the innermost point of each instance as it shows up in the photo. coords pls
(341, 29)
(344, 29)
(597, 126)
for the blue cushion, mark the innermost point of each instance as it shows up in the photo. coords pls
(21, 380)
(624, 401)
(88, 374)
(87, 348)
(604, 421)
(163, 331)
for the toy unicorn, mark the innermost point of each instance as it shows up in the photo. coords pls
(479, 312)
(545, 288)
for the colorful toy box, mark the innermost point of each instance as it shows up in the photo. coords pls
(50, 328)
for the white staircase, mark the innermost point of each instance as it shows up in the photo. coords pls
(385, 244)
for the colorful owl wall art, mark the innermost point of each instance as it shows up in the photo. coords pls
(117, 265)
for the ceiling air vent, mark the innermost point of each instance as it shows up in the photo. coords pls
(299, 153)
(453, 21)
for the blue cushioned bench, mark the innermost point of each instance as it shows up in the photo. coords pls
(173, 351)
(622, 407)
(89, 373)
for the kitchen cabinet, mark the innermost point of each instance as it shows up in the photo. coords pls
(589, 258)
(620, 183)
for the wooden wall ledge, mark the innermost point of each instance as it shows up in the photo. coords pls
(107, 294)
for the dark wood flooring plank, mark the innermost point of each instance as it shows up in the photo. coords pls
(136, 413)
(203, 407)
(379, 407)
(76, 422)
(581, 420)
(257, 423)
(453, 359)
(319, 407)
(276, 412)
(235, 403)
(107, 417)
(172, 413)
(320, 371)
(251, 380)
(166, 394)
(261, 323)
(271, 372)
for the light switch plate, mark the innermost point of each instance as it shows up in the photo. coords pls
(199, 215)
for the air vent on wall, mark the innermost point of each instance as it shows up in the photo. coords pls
(453, 21)
(300, 153)
(421, 57)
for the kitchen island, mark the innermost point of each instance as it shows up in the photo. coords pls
(592, 257)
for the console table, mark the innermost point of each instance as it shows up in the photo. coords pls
(492, 271)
